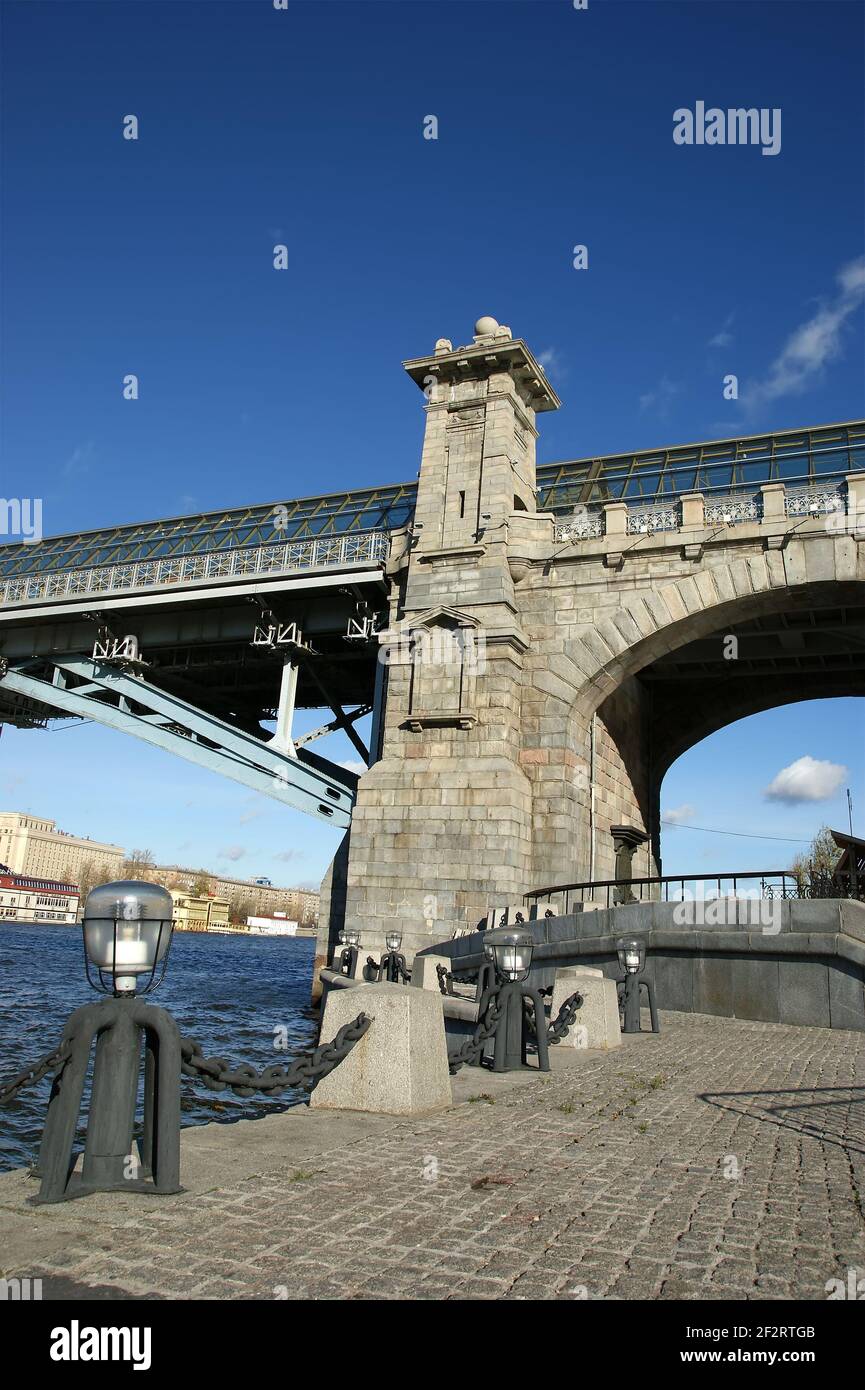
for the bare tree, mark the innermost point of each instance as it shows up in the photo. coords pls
(140, 864)
(816, 866)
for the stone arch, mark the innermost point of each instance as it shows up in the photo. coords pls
(583, 683)
(652, 621)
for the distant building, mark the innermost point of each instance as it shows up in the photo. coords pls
(27, 899)
(271, 926)
(34, 846)
(199, 914)
(247, 896)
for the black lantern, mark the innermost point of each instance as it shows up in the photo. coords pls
(632, 961)
(511, 950)
(127, 933)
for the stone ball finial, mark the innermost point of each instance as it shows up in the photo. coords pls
(485, 327)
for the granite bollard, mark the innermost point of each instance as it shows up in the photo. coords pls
(597, 1022)
(400, 1065)
(424, 974)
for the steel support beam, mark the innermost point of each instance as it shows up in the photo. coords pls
(87, 688)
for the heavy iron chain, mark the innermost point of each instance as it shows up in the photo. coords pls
(472, 1049)
(402, 974)
(52, 1061)
(564, 1021)
(448, 978)
(305, 1070)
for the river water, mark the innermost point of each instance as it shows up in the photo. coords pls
(230, 992)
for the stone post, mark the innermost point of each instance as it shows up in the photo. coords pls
(693, 511)
(774, 506)
(400, 1065)
(626, 840)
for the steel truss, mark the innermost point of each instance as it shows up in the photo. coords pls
(91, 689)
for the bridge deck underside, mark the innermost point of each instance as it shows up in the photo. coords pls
(204, 653)
(799, 653)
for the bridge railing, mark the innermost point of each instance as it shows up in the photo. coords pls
(612, 892)
(365, 548)
(837, 497)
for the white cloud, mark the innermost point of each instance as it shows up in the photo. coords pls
(814, 343)
(551, 361)
(232, 852)
(677, 815)
(353, 765)
(289, 856)
(807, 779)
(723, 338)
(659, 399)
(79, 460)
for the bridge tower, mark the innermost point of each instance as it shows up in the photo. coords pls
(443, 821)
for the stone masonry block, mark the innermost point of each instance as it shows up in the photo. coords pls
(400, 1065)
(597, 1022)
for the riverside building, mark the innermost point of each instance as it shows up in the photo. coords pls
(33, 846)
(24, 898)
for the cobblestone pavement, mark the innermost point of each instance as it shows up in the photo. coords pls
(723, 1159)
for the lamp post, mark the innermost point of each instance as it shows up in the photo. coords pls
(510, 950)
(392, 965)
(632, 961)
(127, 929)
(348, 956)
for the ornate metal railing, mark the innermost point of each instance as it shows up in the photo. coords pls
(827, 498)
(285, 558)
(815, 501)
(614, 892)
(734, 509)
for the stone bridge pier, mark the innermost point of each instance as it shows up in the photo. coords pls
(541, 671)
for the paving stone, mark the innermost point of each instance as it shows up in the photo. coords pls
(591, 1206)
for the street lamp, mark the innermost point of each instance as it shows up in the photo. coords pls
(510, 949)
(392, 966)
(127, 933)
(632, 955)
(348, 955)
(632, 961)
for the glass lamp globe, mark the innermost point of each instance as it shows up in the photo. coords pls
(393, 940)
(511, 948)
(127, 931)
(352, 936)
(632, 955)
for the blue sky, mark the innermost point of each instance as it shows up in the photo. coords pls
(305, 127)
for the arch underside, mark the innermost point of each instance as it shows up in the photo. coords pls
(729, 662)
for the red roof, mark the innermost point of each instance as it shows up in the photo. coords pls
(40, 885)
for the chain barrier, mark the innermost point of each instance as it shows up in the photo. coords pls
(472, 1049)
(562, 1024)
(52, 1061)
(304, 1071)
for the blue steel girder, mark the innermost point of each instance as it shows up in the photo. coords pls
(78, 685)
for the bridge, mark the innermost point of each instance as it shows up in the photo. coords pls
(536, 645)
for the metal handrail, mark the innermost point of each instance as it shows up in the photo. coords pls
(635, 886)
(281, 558)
